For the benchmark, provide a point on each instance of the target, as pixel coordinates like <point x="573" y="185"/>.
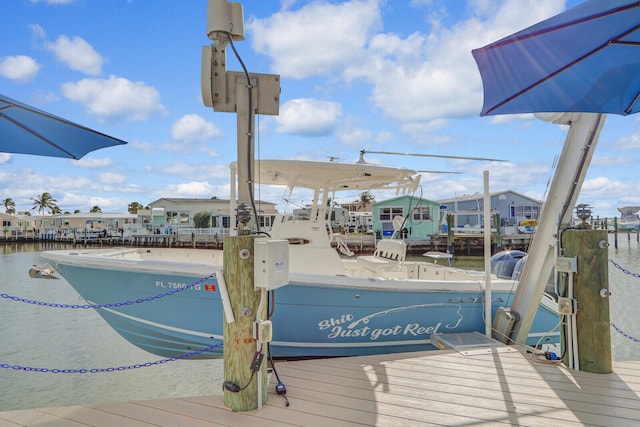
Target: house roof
<point x="480" y="196"/>
<point x="186" y="201"/>
<point x="407" y="196"/>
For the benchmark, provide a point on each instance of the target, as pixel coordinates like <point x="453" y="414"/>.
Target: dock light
<point x="583" y="212"/>
<point x="224" y="18"/>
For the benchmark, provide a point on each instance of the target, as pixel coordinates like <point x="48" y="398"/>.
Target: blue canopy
<point x="586" y="59"/>
<point x="27" y="130"/>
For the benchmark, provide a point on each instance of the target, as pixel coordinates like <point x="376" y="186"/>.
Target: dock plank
<point x="439" y="388"/>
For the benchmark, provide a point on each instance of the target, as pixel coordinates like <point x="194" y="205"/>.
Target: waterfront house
<point x="514" y="209"/>
<point x="422" y="217"/>
<point x="175" y="215"/>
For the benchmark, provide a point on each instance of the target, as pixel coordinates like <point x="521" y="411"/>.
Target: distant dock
<point x="463" y="244"/>
<point x="460" y="243"/>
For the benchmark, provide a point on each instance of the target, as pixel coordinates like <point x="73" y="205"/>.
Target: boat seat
<point x="389" y="255"/>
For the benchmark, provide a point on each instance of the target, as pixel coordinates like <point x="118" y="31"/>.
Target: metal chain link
<point x="108" y="305"/>
<point x="113" y="369"/>
<point x="624" y="334"/>
<point x="624" y="270"/>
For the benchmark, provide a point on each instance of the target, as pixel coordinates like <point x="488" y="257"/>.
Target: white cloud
<point x="37" y="31"/>
<point x="194" y="128"/>
<point x="90" y="163"/>
<point x="21" y="68"/>
<point x="309" y="117"/>
<point x="423" y="76"/>
<point x="191" y="189"/>
<point x="197" y="170"/>
<point x="112" y="178"/>
<point x="77" y="54"/>
<point x="5" y="158"/>
<point x="115" y="99"/>
<point x="319" y="38"/>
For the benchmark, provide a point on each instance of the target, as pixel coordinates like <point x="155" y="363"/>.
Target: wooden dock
<point x="443" y="388"/>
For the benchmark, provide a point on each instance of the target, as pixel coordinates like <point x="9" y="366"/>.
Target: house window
<point x="266" y="220"/>
<point x="422" y="213"/>
<point x="527" y="211"/>
<point x="387" y="214"/>
<point x="172" y="218"/>
<point x="184" y="218"/>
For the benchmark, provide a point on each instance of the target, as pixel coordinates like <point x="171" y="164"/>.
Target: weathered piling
<point x="591" y="291"/>
<point x="239" y="342"/>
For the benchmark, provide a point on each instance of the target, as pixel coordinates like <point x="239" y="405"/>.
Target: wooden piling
<point x="239" y="343"/>
<point x="450" y="234"/>
<point x="593" y="322"/>
<point x="496" y="225"/>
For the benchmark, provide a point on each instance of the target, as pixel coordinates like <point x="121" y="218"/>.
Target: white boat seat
<point x="389" y="255"/>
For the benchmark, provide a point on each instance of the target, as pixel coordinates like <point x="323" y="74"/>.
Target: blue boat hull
<point x="309" y="319"/>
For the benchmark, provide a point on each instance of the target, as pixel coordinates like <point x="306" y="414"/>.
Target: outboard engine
<point x="517" y="270"/>
<point x="503" y="263"/>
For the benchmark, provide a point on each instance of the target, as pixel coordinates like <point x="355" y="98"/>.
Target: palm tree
<point x="134" y="207"/>
<point x="44" y="202"/>
<point x="365" y="200"/>
<point x="9" y="206"/>
<point x="95" y="209"/>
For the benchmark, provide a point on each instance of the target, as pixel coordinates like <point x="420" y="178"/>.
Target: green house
<point x="422" y="217"/>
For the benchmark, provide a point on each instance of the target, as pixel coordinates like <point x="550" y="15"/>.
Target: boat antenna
<point x="439" y="156"/>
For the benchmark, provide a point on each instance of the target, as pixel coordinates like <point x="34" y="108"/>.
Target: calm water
<point x="43" y="337"/>
<point x="46" y="337"/>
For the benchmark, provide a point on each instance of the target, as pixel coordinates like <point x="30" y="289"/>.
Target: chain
<point x="108" y="305"/>
<point x="624" y="334"/>
<point x="113" y="369"/>
<point x="624" y="270"/>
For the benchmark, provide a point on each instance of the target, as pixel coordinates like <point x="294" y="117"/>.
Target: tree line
<point x="46" y="203"/>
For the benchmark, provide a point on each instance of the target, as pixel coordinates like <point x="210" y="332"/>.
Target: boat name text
<point x="336" y="328"/>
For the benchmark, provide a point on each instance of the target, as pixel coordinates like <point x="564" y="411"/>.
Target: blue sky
<point x="360" y="74"/>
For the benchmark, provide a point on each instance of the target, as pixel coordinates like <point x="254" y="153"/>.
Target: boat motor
<point x="503" y="263"/>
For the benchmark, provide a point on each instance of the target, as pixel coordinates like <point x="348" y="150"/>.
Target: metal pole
<point x="487" y="255"/>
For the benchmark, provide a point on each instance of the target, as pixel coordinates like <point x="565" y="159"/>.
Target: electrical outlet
<point x="566" y="306"/>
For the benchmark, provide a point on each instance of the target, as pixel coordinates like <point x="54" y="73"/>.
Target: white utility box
<point x="270" y="263"/>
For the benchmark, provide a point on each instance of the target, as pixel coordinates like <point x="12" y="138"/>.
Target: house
<point x="171" y="215"/>
<point x="422" y="217"/>
<point x="87" y="224"/>
<point x="513" y="209"/>
<point x="17" y="225"/>
<point x="8" y="224"/>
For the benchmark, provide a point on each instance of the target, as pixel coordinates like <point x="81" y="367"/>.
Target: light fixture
<point x="223" y="19"/>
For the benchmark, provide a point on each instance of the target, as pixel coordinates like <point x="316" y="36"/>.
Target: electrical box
<point x="567" y="306"/>
<point x="271" y="263"/>
<point x="566" y="264"/>
<point x="503" y="324"/>
<point x="263" y="331"/>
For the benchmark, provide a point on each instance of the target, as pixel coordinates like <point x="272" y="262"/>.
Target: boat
<point x="629" y="219"/>
<point x="93" y="229"/>
<point x="168" y="301"/>
<point x="527" y="226"/>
